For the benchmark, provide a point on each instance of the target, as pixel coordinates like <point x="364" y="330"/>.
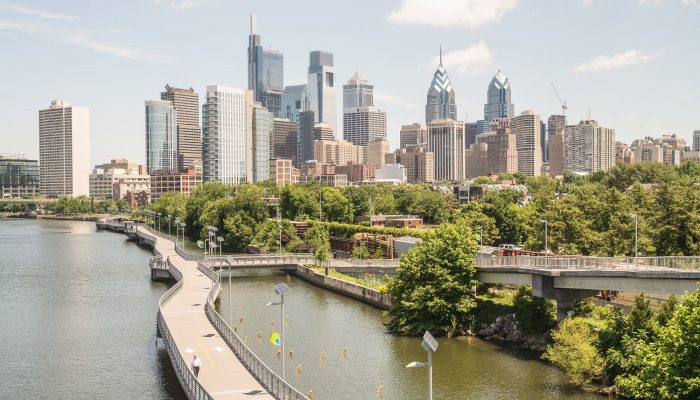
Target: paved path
<point x="222" y="374"/>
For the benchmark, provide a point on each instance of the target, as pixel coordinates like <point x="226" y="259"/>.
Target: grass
<point x="371" y="281"/>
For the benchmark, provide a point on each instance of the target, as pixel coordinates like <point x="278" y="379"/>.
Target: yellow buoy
<point x="323" y="355"/>
<point x="310" y="394"/>
<point x="298" y="369"/>
<point x="379" y="391"/>
<point x="245" y="339"/>
<point x="259" y="334"/>
<point x="345" y="352"/>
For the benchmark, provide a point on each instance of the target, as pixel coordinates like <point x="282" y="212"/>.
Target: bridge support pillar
<point x="567" y="297"/>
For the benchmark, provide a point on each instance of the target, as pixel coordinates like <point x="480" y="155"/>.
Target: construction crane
<point x="562" y="102"/>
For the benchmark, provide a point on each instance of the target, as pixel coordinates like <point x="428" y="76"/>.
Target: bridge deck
<point x="222" y="374"/>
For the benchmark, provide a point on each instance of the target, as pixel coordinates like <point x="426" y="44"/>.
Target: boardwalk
<point x="222" y="375"/>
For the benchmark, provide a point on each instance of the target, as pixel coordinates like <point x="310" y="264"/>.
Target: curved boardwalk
<point x="222" y="375"/>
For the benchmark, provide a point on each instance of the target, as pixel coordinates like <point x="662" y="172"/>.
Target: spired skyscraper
<point x="265" y="72"/>
<point x="498" y="101"/>
<point x="321" y="85"/>
<point x="441" y="102"/>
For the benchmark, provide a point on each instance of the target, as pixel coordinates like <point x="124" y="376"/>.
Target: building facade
<point x="502" y="151"/>
<point x="282" y="172"/>
<point x="174" y="181"/>
<point x="527" y="129"/>
<point x="441" y="103"/>
<point x="375" y="152"/>
<point x="305" y="135"/>
<point x="498" y="99"/>
<point x="321" y="85"/>
<point x="284" y="140"/>
<point x="414" y="134"/>
<point x="224" y="135"/>
<point x="696" y="140"/>
<point x="260" y="136"/>
<point x="589" y="147"/>
<point x="188" y="130"/>
<point x="265" y="71"/>
<point x="557" y="164"/>
<point x="292" y="101"/>
<point x="446" y="142"/>
<point x="161" y="136"/>
<point x="19" y="176"/>
<point x="112" y="180"/>
<point x="64" y="150"/>
<point x="358" y="92"/>
<point x="418" y="162"/>
<point x="337" y="152"/>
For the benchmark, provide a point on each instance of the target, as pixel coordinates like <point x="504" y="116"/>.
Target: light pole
<point x="546" y="248"/>
<point x="170" y="217"/>
<point x="177" y="230"/>
<point x="220" y="240"/>
<point x="281" y="289"/>
<point x="183" y="225"/>
<point x="159" y="214"/>
<point x="430" y="345"/>
<point x="636" y="226"/>
<point x="229" y="261"/>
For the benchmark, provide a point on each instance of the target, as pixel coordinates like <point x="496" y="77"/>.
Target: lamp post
<point x="430" y="345"/>
<point x="177" y="230"/>
<point x="281" y="289"/>
<point x="183" y="225"/>
<point x="170" y="217"/>
<point x="220" y="240"/>
<point x="546" y="248"/>
<point x="159" y="214"/>
<point x="636" y="226"/>
<point x="229" y="261"/>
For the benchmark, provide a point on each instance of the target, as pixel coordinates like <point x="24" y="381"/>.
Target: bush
<point x="535" y="314"/>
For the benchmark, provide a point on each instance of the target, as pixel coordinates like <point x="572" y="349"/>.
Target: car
<point x="509" y="246"/>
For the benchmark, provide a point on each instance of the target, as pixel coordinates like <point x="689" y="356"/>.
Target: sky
<point x="633" y="64"/>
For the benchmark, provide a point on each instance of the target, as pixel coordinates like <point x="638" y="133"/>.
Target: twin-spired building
<point x="64" y="150"/>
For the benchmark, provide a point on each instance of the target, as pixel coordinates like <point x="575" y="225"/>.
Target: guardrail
<point x="274" y="384"/>
<point x="592" y="263"/>
<point x="192" y="387"/>
<point x="178" y="249"/>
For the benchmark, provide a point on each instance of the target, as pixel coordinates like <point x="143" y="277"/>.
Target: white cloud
<point x="182" y="4"/>
<point x="627" y="58"/>
<point x="389" y="98"/>
<point x="587" y="3"/>
<point x="472" y="60"/>
<point x="34" y="12"/>
<point x="692" y="3"/>
<point x="445" y="13"/>
<point x="651" y="2"/>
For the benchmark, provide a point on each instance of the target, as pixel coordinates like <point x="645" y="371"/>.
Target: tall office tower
<point x="555" y="123"/>
<point x="292" y="100"/>
<point x="305" y="137"/>
<point x="441" y="103"/>
<point x="258" y="139"/>
<point x="418" y="162"/>
<point x="498" y="99"/>
<point x="224" y="134"/>
<point x="502" y="152"/>
<point x="375" y="151"/>
<point x="471" y="129"/>
<point x="189" y="133"/>
<point x="64" y="150"/>
<point x="544" y="142"/>
<point x="161" y="136"/>
<point x="358" y="92"/>
<point x="589" y="147"/>
<point x="265" y="72"/>
<point x="321" y="85"/>
<point x="284" y="140"/>
<point x="557" y="164"/>
<point x="696" y="140"/>
<point x="413" y="134"/>
<point x="446" y="142"/>
<point x="526" y="128"/>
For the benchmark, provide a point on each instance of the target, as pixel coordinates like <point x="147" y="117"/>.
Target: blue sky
<point x="634" y="63"/>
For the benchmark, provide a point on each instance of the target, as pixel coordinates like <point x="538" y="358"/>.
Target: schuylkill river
<point x="78" y="322"/>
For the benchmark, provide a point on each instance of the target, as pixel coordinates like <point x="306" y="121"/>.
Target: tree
<point x="667" y="310"/>
<point x="535" y="314"/>
<point x="583" y="308"/>
<point x="336" y="207"/>
<point x="432" y="206"/>
<point x="360" y="251"/>
<point x="267" y="235"/>
<point x="574" y="350"/>
<point x="240" y="230"/>
<point x="297" y="203"/>
<point x="432" y="287"/>
<point x="317" y="236"/>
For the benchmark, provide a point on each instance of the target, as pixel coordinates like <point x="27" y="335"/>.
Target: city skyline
<point x="88" y="62"/>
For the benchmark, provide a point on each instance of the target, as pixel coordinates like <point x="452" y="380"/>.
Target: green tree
<point x="432" y="206"/>
<point x="267" y="235"/>
<point x="575" y="351"/>
<point x="432" y="287"/>
<point x="667" y="310"/>
<point x="239" y="232"/>
<point x="360" y="251"/>
<point x="318" y="238"/>
<point x="534" y="314"/>
<point x="583" y="308"/>
<point x="336" y="207"/>
<point x="298" y="203"/>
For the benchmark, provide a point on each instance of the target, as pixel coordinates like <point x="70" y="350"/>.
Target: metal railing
<point x="178" y="249"/>
<point x="592" y="263"/>
<point x="272" y="382"/>
<point x="191" y="385"/>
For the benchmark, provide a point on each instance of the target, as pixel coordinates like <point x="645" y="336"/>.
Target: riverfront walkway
<point x="222" y="375"/>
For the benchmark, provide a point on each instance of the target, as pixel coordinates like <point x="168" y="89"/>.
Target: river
<point x="78" y="322"/>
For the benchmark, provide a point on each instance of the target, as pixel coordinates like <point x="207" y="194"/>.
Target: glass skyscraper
<point x="441" y="102"/>
<point x="321" y="83"/>
<point x="292" y="101"/>
<point x="265" y="72"/>
<point x="161" y="136"/>
<point x="498" y="101"/>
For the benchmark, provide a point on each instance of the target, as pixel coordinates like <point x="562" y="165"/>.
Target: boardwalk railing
<point x="178" y="249"/>
<point x="274" y="384"/>
<point x="188" y="381"/>
<point x="592" y="263"/>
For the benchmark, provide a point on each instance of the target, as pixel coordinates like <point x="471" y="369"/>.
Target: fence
<point x="592" y="263"/>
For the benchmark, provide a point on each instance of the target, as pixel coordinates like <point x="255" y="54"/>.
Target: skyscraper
<point x="555" y="123"/>
<point x="544" y="142"/>
<point x="471" y="129"/>
<point x="284" y="140"/>
<point x="696" y="140"/>
<point x="375" y="151"/>
<point x="498" y="101"/>
<point x="446" y="142"/>
<point x="526" y="128"/>
<point x="258" y="139"/>
<point x="64" y="150"/>
<point x="224" y="134"/>
<point x="441" y="101"/>
<point x="305" y="138"/>
<point x="589" y="147"/>
<point x="161" y="136"/>
<point x="292" y="101"/>
<point x="414" y="134"/>
<point x="502" y="151"/>
<point x="265" y="72"/>
<point x="362" y="122"/>
<point x="321" y="86"/>
<point x="189" y="133"/>
<point x="358" y="92"/>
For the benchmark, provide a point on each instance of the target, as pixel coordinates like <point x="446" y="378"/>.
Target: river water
<point x="78" y="312"/>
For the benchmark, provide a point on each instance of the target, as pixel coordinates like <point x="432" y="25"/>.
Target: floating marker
<point x="200" y="244"/>
<point x="310" y="394"/>
<point x="298" y="369"/>
<point x="323" y="355"/>
<point x="379" y="391"/>
<point x="275" y="339"/>
<point x="245" y="339"/>
<point x="241" y="319"/>
<point x="291" y="354"/>
<point x="259" y="334"/>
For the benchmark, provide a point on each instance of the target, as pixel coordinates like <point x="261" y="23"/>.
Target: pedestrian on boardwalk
<point x="196" y="364"/>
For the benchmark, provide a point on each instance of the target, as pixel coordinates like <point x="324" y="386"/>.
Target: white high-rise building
<point x="224" y="134"/>
<point x="446" y="142"/>
<point x="259" y="136"/>
<point x="589" y="147"/>
<point x="321" y="85"/>
<point x="527" y="129"/>
<point x="64" y="150"/>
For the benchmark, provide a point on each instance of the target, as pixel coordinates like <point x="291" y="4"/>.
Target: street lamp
<point x="546" y="248"/>
<point x="220" y="240"/>
<point x="159" y="214"/>
<point x="229" y="261"/>
<point x="170" y="217"/>
<point x="636" y="225"/>
<point x="177" y="229"/>
<point x="183" y="225"/>
<point x="281" y="289"/>
<point x="430" y="345"/>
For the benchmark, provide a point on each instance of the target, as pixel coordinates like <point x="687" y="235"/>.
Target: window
<point x="329" y="79"/>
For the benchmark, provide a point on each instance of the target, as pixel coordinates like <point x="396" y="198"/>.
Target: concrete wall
<point x="355" y="291"/>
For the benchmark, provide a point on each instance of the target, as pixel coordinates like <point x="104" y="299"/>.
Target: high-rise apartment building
<point x="498" y="99"/>
<point x="284" y="140"/>
<point x="18" y="176"/>
<point x="589" y="147"/>
<point x="375" y="152"/>
<point x="667" y="149"/>
<point x="64" y="150"/>
<point x="696" y="140"/>
<point x="476" y="162"/>
<point x="224" y="134"/>
<point x="557" y="165"/>
<point x="544" y="142"/>
<point x="501" y="151"/>
<point x="189" y="133"/>
<point x="418" y="162"/>
<point x="258" y="142"/>
<point x="321" y="84"/>
<point x="441" y="103"/>
<point x="471" y="129"/>
<point x="527" y="129"/>
<point x="555" y="123"/>
<point x="414" y="134"/>
<point x="446" y="142"/>
<point x="161" y="136"/>
<point x="265" y="72"/>
<point x="292" y="101"/>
